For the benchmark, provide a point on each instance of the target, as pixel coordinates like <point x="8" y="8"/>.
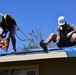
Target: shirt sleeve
<point x="73" y="26"/>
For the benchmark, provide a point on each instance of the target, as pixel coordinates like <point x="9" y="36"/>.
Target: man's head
<point x="61" y="21"/>
<point x="1" y="16"/>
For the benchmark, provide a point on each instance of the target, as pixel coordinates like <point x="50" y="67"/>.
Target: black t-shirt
<point x="8" y="22"/>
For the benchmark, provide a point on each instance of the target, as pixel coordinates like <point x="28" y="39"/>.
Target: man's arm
<point x="70" y="33"/>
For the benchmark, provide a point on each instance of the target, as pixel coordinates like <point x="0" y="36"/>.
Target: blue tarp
<point x="71" y="49"/>
<point x="66" y="49"/>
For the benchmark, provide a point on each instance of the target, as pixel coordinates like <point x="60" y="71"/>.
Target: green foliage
<point x="34" y="37"/>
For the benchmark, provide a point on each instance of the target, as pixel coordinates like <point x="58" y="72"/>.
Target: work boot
<point x="43" y="45"/>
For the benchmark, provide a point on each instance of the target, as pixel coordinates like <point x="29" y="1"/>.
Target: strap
<point x="5" y="18"/>
<point x="68" y="27"/>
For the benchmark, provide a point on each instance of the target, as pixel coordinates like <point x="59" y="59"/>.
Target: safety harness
<point x="5" y="18"/>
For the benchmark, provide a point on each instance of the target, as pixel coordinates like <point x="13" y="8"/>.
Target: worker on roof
<point x="66" y="35"/>
<point x="8" y="24"/>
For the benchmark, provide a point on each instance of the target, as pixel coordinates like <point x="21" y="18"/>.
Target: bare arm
<point x="70" y="33"/>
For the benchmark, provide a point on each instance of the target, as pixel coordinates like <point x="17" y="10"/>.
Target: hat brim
<point x="60" y="24"/>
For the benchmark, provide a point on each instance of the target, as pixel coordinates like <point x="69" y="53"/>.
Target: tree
<point x="33" y="39"/>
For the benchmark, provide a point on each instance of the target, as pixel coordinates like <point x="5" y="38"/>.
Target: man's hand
<point x="58" y="39"/>
<point x="57" y="42"/>
<point x="69" y="34"/>
<point x="73" y="38"/>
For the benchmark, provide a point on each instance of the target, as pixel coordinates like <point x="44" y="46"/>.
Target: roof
<point x="37" y="55"/>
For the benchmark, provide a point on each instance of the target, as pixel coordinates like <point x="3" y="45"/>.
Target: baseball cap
<point x="61" y="20"/>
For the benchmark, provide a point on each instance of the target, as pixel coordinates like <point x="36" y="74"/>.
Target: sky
<point x="34" y="14"/>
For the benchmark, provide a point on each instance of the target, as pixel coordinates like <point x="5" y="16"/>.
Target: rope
<point x="22" y="33"/>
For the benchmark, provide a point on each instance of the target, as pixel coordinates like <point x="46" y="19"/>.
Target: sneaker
<point x="14" y="50"/>
<point x="43" y="45"/>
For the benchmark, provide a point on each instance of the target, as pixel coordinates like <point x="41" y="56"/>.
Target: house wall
<point x="58" y="66"/>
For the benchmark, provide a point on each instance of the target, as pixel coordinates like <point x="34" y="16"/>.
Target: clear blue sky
<point x="34" y="14"/>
